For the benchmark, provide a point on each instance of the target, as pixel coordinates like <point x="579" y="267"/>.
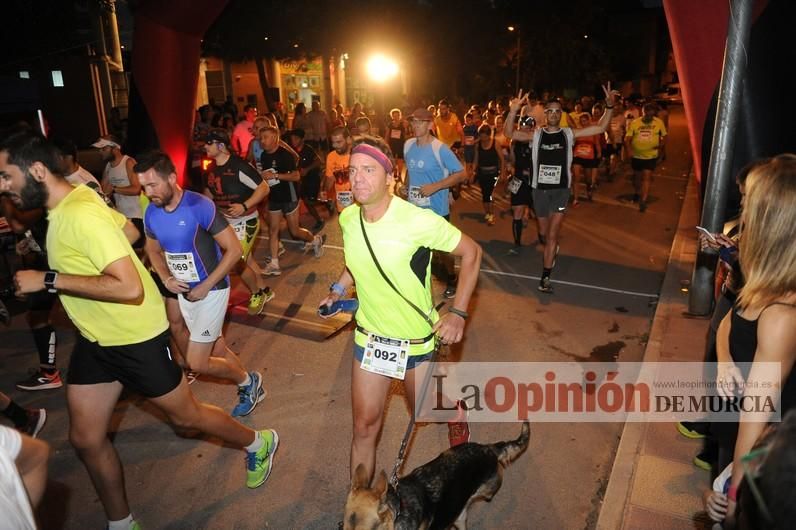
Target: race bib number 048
<point x="385" y="356"/>
<point x="549" y="174"/>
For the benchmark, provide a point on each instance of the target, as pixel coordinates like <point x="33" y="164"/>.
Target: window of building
<point x="58" y="78"/>
<point x="215" y="85"/>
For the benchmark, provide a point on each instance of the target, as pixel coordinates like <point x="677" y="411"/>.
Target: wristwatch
<point x="49" y="281"/>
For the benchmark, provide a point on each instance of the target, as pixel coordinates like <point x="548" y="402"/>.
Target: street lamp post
<point x="517" y="30"/>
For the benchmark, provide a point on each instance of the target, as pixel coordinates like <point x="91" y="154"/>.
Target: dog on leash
<point x="437" y="494"/>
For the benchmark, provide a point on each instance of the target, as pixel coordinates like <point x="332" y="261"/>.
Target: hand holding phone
<point x="704" y="231"/>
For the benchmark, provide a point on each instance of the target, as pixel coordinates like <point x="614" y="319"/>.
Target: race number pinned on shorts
<point x="514" y="185"/>
<point x="182" y="266"/>
<point x="345" y="198"/>
<point x="385" y="356"/>
<point x="417" y="199"/>
<point x="549" y="174"/>
<point x="240" y="230"/>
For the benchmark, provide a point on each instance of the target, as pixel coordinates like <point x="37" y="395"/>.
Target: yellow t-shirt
<point x="400" y="240"/>
<point x="646" y="137"/>
<point x="449" y="131"/>
<point x="83" y="238"/>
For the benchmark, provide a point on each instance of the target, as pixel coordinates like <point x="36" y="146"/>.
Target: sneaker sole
<point x="691" y="435"/>
<point x="40" y="423"/>
<point x="271" y="455"/>
<point x="46" y="386"/>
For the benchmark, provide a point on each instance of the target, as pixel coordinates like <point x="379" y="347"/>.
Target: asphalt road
<point x="607" y="278"/>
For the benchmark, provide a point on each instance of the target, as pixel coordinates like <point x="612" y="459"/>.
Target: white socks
<point x="121" y="524"/>
<point x="256" y="444"/>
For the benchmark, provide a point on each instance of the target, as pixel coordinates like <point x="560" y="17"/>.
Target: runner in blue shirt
<point x="192" y="248"/>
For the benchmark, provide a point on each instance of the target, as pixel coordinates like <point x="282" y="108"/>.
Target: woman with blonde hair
<point x="761" y="328"/>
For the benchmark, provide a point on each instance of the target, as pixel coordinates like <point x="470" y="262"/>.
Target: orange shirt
<point x="449" y="131"/>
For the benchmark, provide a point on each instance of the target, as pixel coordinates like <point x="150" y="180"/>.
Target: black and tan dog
<point x="435" y="495"/>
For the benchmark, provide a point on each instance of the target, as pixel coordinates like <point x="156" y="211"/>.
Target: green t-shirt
<point x="83" y="238"/>
<point x="401" y="240"/>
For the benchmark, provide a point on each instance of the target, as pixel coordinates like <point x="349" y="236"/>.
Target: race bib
<point x="182" y="266"/>
<point x="395" y="134"/>
<point x="345" y="198"/>
<point x="469" y="140"/>
<point x="272" y="182"/>
<point x="417" y="199"/>
<point x="549" y="174"/>
<point x="385" y="356"/>
<point x="645" y="134"/>
<point x="240" y="230"/>
<point x="584" y="151"/>
<point x="514" y="185"/>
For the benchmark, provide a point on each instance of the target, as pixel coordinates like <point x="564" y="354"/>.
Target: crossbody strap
<point x="386" y="279"/>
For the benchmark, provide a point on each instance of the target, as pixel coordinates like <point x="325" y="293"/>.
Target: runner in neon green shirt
<point x="400" y="235"/>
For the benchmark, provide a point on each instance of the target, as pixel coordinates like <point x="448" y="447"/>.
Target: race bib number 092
<point x="385" y="356"/>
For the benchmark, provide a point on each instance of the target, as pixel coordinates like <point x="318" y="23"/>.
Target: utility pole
<point x="718" y="181"/>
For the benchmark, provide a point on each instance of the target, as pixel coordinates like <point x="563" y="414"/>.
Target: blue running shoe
<point x="249" y="395"/>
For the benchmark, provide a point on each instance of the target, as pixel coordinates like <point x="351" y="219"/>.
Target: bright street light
<point x="510" y="28"/>
<point x="381" y="68"/>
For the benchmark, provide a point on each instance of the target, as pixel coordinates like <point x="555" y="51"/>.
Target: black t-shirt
<point x="283" y="160"/>
<point x="234" y="182"/>
<point x="553" y="160"/>
<point x="523" y="160"/>
<point x="307" y="157"/>
<point x="488" y="161"/>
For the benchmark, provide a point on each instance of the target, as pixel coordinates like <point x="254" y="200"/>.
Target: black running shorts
<point x="639" y="164"/>
<point x="146" y="368"/>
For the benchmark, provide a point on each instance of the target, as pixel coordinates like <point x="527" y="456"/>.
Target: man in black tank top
<point x="552" y="157"/>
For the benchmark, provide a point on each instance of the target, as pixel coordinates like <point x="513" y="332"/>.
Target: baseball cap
<point x="217" y="135"/>
<point x="422" y="115"/>
<point x="108" y="140"/>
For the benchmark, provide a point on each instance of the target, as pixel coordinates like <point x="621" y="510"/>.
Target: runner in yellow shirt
<point x="645" y="141"/>
<point x="449" y="128"/>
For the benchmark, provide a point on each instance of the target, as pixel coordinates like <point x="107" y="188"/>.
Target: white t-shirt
<point x="15" y="510"/>
<point x="128" y="205"/>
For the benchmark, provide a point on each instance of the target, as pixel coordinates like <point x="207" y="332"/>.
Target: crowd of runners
<point x="148" y="287"/>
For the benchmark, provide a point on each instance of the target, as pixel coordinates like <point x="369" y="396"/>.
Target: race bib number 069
<point x="182" y="266"/>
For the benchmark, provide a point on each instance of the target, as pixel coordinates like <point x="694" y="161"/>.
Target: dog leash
<point x="418" y="405"/>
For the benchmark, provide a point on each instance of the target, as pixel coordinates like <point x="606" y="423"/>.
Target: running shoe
<point x="545" y="285"/>
<point x="490" y="220"/>
<point x="249" y="395"/>
<point x="695" y="430"/>
<point x="258" y="300"/>
<point x="514" y="251"/>
<point x="459" y="429"/>
<point x="260" y="463"/>
<point x="41" y="380"/>
<point x="271" y="269"/>
<point x="36" y="419"/>
<point x="701" y="461"/>
<point x="317" y="245"/>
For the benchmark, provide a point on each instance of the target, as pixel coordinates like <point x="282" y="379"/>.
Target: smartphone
<point x="707" y="233"/>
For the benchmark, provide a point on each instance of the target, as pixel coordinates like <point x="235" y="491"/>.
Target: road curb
<point x="670" y="304"/>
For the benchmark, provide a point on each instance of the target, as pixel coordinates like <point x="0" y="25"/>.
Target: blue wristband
<point x="337" y="288"/>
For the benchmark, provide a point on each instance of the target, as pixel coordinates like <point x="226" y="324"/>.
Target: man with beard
<point x="123" y="332"/>
<point x="192" y="249"/>
<point x="551" y="148"/>
<point x="120" y="183"/>
<point x="645" y="141"/>
<point x="337" y="169"/>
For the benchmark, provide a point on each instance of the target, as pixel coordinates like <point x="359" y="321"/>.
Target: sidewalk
<point x="653" y="483"/>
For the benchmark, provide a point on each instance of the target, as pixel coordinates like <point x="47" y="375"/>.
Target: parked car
<point x="670" y="94"/>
